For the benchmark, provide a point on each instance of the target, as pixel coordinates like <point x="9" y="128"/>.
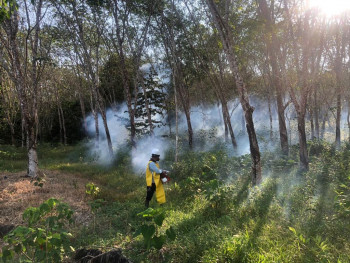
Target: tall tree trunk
<point x="337" y="126"/>
<point x="12" y="131"/>
<point x="273" y="49"/>
<point x="316" y="114"/>
<point x="26" y="84"/>
<point x="224" y="119"/>
<point x="95" y="115"/>
<point x="32" y="151"/>
<point x="23" y="132"/>
<point x="219" y="90"/>
<point x="304" y="159"/>
<point x="63" y="126"/>
<point x="226" y="38"/>
<point x="348" y="118"/>
<point x="270" y="117"/>
<point x="82" y="108"/>
<point x="229" y="125"/>
<point x="189" y="126"/>
<point x="323" y="127"/>
<point x="60" y="122"/>
<point x="311" y="114"/>
<point x="176" y="121"/>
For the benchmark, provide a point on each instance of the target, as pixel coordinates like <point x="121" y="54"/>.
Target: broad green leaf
<point x="159" y="219"/>
<point x="158" y="242"/>
<point x="148" y="231"/>
<point x="44" y="208"/>
<point x="171" y="233"/>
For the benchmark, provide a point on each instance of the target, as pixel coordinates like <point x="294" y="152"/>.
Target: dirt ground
<point x="18" y="192"/>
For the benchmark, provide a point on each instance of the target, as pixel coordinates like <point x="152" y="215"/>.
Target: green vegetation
<point x="212" y="213"/>
<point x="44" y="239"/>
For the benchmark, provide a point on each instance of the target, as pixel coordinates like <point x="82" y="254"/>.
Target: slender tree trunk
<point x="229" y="125"/>
<point x="82" y="108"/>
<point x="337" y="127"/>
<point x="348" y="118"/>
<point x="273" y="49"/>
<point x="316" y="114"/>
<point x="12" y="130"/>
<point x="60" y="122"/>
<point x="23" y="132"/>
<point x="224" y="119"/>
<point x="189" y="127"/>
<point x="270" y="117"/>
<point x="323" y="127"/>
<point x="225" y="112"/>
<point x="97" y="129"/>
<point x="311" y="114"/>
<point x="176" y="121"/>
<point x="226" y="39"/>
<point x="63" y="126"/>
<point x="25" y="84"/>
<point x="304" y="159"/>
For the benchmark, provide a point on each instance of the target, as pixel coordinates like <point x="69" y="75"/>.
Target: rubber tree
<point x="228" y="45"/>
<point x="266" y="14"/>
<point x="86" y="42"/>
<point x="25" y="65"/>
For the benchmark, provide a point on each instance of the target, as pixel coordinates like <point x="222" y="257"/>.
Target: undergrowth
<point x="213" y="209"/>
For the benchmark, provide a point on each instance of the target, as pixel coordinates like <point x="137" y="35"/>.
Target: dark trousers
<point x="150" y="191"/>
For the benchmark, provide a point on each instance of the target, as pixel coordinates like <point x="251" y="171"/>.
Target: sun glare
<point x="331" y="7"/>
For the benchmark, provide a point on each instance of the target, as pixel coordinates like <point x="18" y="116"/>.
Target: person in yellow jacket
<point x="153" y="179"/>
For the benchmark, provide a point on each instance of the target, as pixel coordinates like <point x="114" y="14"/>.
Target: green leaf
<point x="171" y="233"/>
<point x="44" y="208"/>
<point x="56" y="241"/>
<point x="40" y="241"/>
<point x="159" y="219"/>
<point x="7" y="254"/>
<point x="147" y="231"/>
<point x="149" y="212"/>
<point x="18" y="248"/>
<point x="293" y="230"/>
<point x="52" y="202"/>
<point x="137" y="232"/>
<point x="158" y="242"/>
<point x="21" y="231"/>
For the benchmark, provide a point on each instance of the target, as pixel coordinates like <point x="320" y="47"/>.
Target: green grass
<point x="288" y="218"/>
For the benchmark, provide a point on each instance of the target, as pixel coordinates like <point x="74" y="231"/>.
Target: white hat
<point x="155" y="151"/>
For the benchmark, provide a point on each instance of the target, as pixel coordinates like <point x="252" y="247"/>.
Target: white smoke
<point x="205" y="120"/>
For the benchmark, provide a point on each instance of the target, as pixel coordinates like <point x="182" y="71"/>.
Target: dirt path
<point x="18" y="192"/>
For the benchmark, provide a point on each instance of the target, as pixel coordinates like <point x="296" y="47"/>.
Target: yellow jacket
<point x="154" y="177"/>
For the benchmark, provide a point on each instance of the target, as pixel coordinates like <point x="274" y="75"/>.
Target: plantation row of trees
<point x="62" y="59"/>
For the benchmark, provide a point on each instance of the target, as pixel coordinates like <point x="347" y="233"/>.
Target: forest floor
<point x="18" y="192"/>
<point x="212" y="208"/>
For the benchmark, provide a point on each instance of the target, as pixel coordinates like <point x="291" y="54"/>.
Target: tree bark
<point x="63" y="126"/>
<point x="273" y="50"/>
<point x="26" y="83"/>
<point x="270" y="117"/>
<point x="226" y="39"/>
<point x="348" y="118"/>
<point x="60" y="122"/>
<point x="316" y="114"/>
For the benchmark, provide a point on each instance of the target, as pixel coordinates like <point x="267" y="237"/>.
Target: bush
<point x="44" y="239"/>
